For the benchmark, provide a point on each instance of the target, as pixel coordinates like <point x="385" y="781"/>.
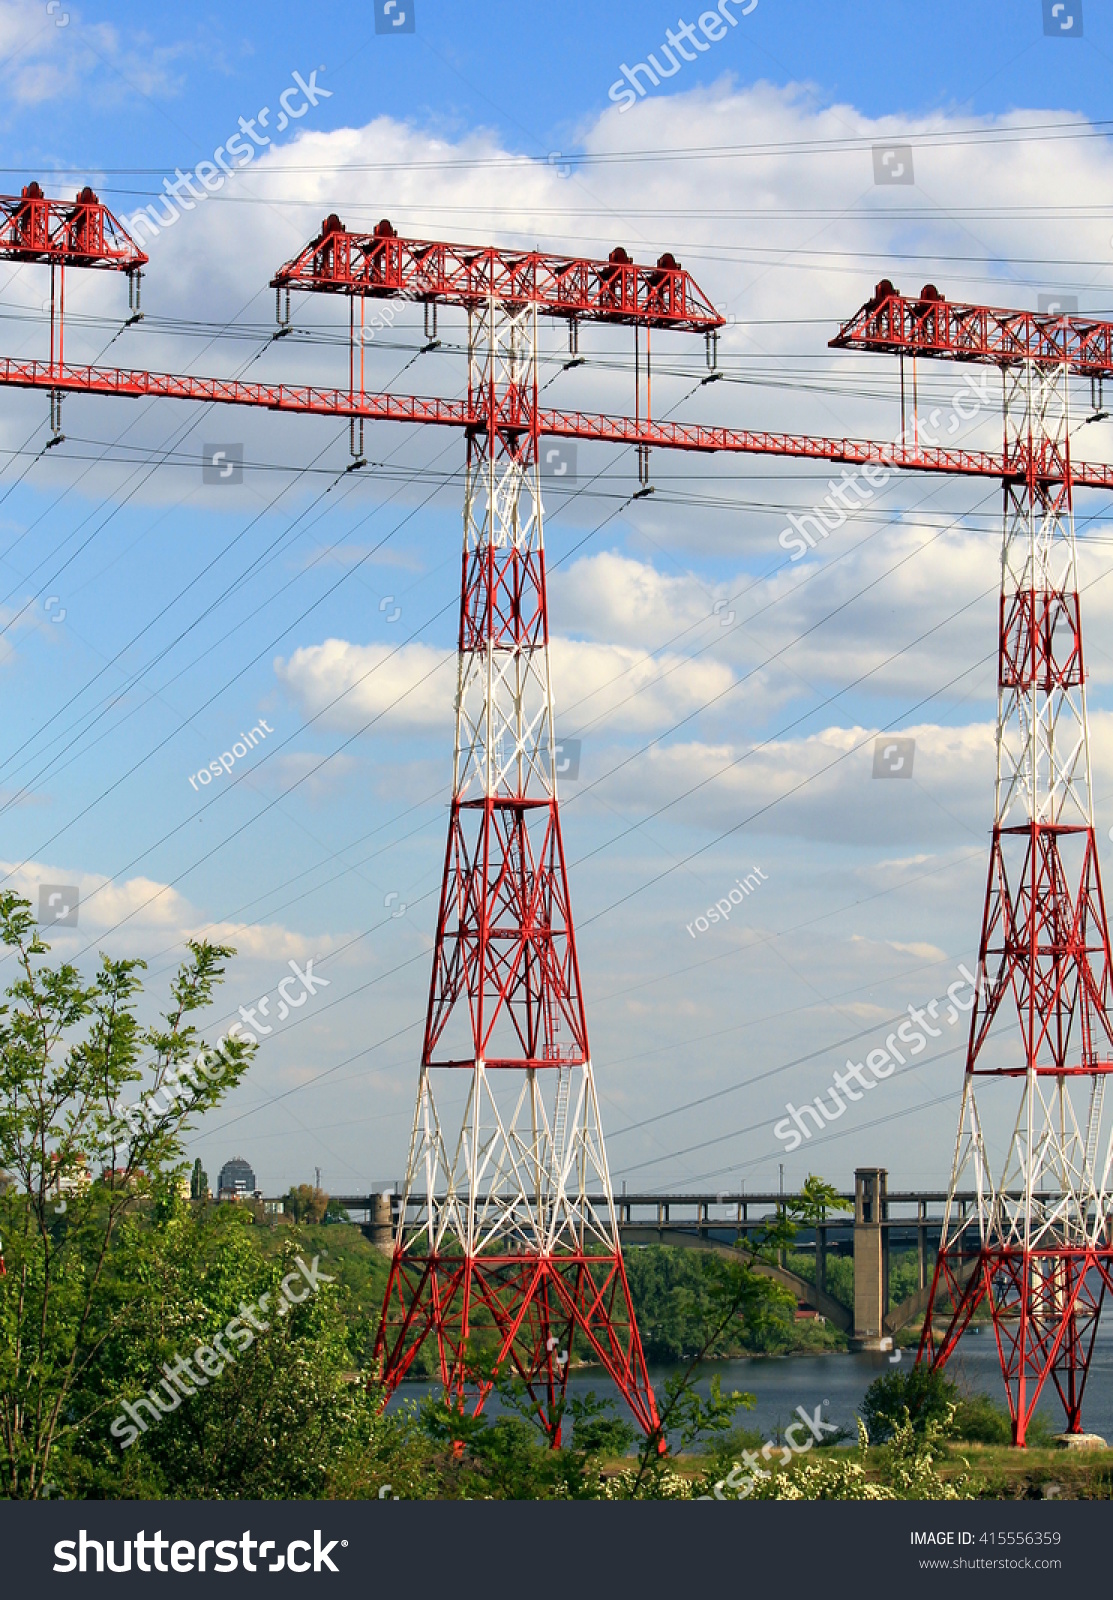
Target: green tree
<point x="304" y="1203"/>
<point x="71" y="1054"/>
<point x="279" y="1416"/>
<point x="738" y="1292"/>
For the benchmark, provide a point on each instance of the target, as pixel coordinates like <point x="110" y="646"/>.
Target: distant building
<point x="74" y="1181"/>
<point x="121" y="1178"/>
<point x="236" y="1181"/>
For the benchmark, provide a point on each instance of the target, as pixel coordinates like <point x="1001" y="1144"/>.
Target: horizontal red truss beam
<point x="307" y="398"/>
<point x="382" y="265"/>
<point x="138" y="384"/>
<point x="76" y="233"/>
<point x="952" y="332"/>
<point x="698" y="436"/>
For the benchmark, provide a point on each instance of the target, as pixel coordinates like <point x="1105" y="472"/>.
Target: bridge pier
<point x="921" y="1245"/>
<point x="871" y="1260"/>
<point x="378" y="1228"/>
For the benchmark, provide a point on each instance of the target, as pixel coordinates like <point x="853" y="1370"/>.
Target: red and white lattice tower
<point x="1034" y="1246"/>
<point x="508" y="1238"/>
<point x="516" y="1232"/>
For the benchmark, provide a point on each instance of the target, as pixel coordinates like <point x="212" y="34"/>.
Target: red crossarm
<point x="138" y="384"/>
<point x="385" y="266"/>
<point x="933" y="326"/>
<point x="76" y="233"/>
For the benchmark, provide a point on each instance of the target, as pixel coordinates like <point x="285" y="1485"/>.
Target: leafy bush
<point x="928" y="1397"/>
<point x="980" y="1420"/>
<point x="908" y="1470"/>
<point x="977" y="1419"/>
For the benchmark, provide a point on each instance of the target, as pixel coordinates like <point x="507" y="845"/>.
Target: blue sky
<point x="536" y="74"/>
<point x="726" y="698"/>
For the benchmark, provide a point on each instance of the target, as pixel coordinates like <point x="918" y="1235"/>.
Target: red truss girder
<point x="1019" y="465"/>
<point x="75" y="233"/>
<point x="504" y="937"/>
<point x="1043" y="942"/>
<point x="1041" y="641"/>
<point x="1045" y="1306"/>
<point x="382" y="265"/>
<point x="135" y="383"/>
<point x="932" y="326"/>
<point x="535" y="1305"/>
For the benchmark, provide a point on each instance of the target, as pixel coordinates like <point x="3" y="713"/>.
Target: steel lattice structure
<point x="507" y="1242"/>
<point x="507" y="1246"/>
<point x="383" y="266"/>
<point x="516" y="1235"/>
<point x="1037" y="1246"/>
<point x="77" y="233"/>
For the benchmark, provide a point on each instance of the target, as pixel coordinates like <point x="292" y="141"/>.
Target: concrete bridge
<point x="873" y="1223"/>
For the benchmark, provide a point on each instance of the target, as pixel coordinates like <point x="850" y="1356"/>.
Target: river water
<point x="838" y="1381"/>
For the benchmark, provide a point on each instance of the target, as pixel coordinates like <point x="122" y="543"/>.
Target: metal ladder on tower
<point x="1093" y="1127"/>
<point x="560" y="1119"/>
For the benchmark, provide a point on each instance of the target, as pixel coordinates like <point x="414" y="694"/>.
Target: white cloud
<point x="925" y="952"/>
<point x="142" y="915"/>
<point x="412" y="688"/>
<point x="403" y="688"/>
<point x="51" y="51"/>
<point x="617" y="599"/>
<point x="620" y="687"/>
<point x="820" y="787"/>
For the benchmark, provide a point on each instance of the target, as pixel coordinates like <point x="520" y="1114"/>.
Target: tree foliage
<point x="71" y="1057"/>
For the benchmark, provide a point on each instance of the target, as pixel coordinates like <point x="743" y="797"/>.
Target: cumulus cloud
<point x="143" y="915"/>
<point x="51" y="51"/>
<point x="403" y="688"/>
<point x="616" y="598"/>
<point x="411" y="689"/>
<point x="819" y="787"/>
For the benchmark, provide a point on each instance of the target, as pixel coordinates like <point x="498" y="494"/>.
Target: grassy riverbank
<point x="989" y="1472"/>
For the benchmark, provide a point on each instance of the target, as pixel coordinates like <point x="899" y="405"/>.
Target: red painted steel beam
<point x="852" y="452"/>
<point x="382" y="265"/>
<point x="932" y="326"/>
<point x="75" y="233"/>
<point x="138" y="384"/>
<point x="309" y="399"/>
<point x="698" y="436"/>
